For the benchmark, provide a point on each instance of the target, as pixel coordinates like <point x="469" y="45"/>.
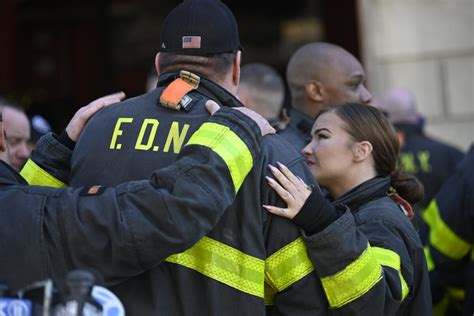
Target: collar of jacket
<point x="301" y="121"/>
<point x="207" y="87"/>
<point x="8" y="176"/>
<point x="408" y="129"/>
<point x="365" y="192"/>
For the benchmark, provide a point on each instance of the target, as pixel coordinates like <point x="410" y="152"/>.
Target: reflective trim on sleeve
<point x="35" y="175"/>
<point x="391" y="259"/>
<point x="288" y="265"/>
<point x="228" y="145"/>
<point x="456" y="293"/>
<point x="354" y="281"/>
<point x="429" y="260"/>
<point x="441" y="306"/>
<point x="225" y="264"/>
<point x="442" y="237"/>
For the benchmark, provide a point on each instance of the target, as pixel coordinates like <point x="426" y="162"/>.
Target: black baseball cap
<point x="200" y="27"/>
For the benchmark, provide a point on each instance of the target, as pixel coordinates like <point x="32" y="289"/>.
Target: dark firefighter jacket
<point x="248" y="260"/>
<point x="450" y="217"/>
<point x="370" y="260"/>
<point x="298" y="131"/>
<point x="125" y="230"/>
<point x="431" y="161"/>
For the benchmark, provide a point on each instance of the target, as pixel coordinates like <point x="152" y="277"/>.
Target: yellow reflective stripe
<point x="456" y="293"/>
<point x="35" y="175"/>
<point x="453" y="297"/>
<point x="391" y="259"/>
<point x="288" y="265"/>
<point x="354" y="281"/>
<point x="429" y="260"/>
<point x="440" y="308"/>
<point x="225" y="264"/>
<point x="442" y="237"/>
<point x="228" y="145"/>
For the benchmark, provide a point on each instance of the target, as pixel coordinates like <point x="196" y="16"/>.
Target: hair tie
<point x="404" y="205"/>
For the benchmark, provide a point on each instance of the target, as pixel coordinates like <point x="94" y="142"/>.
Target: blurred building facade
<point x="426" y="46"/>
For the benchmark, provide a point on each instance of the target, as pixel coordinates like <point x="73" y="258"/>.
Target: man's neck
<point x="310" y="109"/>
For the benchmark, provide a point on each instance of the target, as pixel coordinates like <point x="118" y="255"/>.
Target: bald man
<point x="262" y="89"/>
<point x="17" y="129"/>
<point x="400" y="106"/>
<point x="321" y="74"/>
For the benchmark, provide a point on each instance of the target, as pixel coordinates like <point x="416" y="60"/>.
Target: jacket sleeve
<point x="372" y="267"/>
<point x="49" y="163"/>
<point x="126" y="230"/>
<point x="290" y="280"/>
<point x="451" y="236"/>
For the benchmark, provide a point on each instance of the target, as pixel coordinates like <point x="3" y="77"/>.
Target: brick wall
<point x="426" y="46"/>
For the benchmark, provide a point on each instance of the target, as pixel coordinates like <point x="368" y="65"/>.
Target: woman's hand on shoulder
<point x="292" y="189"/>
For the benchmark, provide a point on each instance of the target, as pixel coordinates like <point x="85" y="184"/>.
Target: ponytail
<point x="407" y="186"/>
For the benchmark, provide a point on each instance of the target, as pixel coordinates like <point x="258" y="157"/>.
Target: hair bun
<point x="407" y="186"/>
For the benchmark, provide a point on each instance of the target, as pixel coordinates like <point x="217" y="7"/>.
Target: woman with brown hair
<point x="361" y="242"/>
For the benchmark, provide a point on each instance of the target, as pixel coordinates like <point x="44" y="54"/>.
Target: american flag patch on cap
<point x="191" y="41"/>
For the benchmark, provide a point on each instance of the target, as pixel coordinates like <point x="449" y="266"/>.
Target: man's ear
<point x="157" y="63"/>
<point x="315" y="90"/>
<point x="236" y="68"/>
<point x="361" y="151"/>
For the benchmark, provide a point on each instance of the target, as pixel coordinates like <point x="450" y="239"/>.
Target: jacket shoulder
<point x="276" y="148"/>
<point x="388" y="213"/>
<point x="382" y="208"/>
<point x="129" y="106"/>
<point x="294" y="137"/>
<point x="421" y="142"/>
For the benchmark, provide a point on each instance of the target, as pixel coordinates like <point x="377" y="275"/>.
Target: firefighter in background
<point x="17" y="127"/>
<point x="430" y="160"/>
<point x="320" y="74"/>
<point x="261" y="89"/>
<point x="251" y="259"/>
<point x="450" y="217"/>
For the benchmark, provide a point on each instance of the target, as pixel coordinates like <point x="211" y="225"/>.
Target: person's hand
<point x="80" y="118"/>
<point x="263" y="124"/>
<point x="290" y="188"/>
